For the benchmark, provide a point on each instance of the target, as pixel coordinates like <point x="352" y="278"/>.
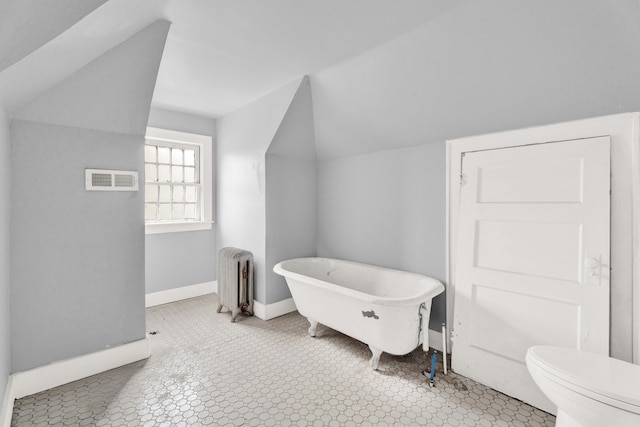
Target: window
<point x="177" y="181"/>
<point x="172" y="182"/>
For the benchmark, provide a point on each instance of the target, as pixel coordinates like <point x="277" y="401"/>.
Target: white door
<point x="532" y="261"/>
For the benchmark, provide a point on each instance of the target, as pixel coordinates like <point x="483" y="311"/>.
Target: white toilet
<point x="588" y="389"/>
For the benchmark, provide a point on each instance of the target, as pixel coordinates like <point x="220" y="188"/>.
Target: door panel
<point x="533" y="259"/>
<point x="511" y="247"/>
<point x="531" y="181"/>
<point x="517" y="316"/>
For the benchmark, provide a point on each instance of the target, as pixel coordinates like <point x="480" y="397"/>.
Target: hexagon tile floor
<point x="206" y="371"/>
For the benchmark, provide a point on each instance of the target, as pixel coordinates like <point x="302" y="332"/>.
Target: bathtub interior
<point x="367" y="279"/>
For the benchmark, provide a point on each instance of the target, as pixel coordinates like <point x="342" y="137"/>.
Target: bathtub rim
<point x="436" y="286"/>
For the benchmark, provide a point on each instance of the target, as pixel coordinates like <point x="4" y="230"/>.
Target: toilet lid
<point x="611" y="380"/>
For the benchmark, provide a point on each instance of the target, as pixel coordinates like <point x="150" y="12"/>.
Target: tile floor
<point x="206" y="371"/>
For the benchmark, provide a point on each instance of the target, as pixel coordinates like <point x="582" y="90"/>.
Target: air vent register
<point x="110" y="180"/>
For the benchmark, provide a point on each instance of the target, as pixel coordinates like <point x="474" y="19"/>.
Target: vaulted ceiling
<point x="384" y="74"/>
<point x="219" y="55"/>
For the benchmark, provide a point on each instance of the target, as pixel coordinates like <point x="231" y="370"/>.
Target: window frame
<point x="166" y="136"/>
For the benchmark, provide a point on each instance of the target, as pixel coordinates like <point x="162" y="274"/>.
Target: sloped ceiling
<point x="384" y="74"/>
<point x="490" y="66"/>
<point x="111" y="93"/>
<point x="220" y="54"/>
<point x="45" y="64"/>
<point x="25" y="25"/>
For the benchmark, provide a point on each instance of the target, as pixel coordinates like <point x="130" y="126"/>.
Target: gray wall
<point x="77" y="265"/>
<point x="173" y="260"/>
<point x="243" y="138"/>
<point x="5" y="193"/>
<point x="291" y="192"/>
<point x="387" y="208"/>
<point x="77" y="257"/>
<point x="481" y="67"/>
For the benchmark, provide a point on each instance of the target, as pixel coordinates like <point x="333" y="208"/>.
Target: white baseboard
<point x="271" y="311"/>
<point x="21" y="384"/>
<point x="65" y="371"/>
<point x="177" y="294"/>
<point x="6" y="411"/>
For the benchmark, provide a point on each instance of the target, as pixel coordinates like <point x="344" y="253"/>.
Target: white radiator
<point x="235" y="281"/>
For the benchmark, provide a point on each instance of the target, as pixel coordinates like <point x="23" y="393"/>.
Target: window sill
<point x="177" y="227"/>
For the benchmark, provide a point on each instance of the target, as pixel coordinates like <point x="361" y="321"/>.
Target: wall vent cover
<point x="110" y="180"/>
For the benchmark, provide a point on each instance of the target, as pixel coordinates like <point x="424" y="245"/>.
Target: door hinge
<point x="463" y="180"/>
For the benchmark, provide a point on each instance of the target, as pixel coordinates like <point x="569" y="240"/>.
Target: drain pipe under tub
<point x="424" y="330"/>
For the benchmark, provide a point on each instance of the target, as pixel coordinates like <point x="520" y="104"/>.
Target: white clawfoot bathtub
<point x="386" y="309"/>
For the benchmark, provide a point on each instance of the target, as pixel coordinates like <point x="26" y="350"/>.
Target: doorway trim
<point x="625" y="212"/>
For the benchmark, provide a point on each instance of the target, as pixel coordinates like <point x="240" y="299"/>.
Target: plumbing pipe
<point x="444" y="348"/>
<point x="434" y="358"/>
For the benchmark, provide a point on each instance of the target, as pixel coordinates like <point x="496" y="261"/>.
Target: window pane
<point x="189" y="157"/>
<point x="164" y="155"/>
<point x="150" y="212"/>
<point x="178" y="193"/>
<point x="150" y="153"/>
<point x="189" y="174"/>
<point x="176" y="156"/>
<point x="151" y="193"/>
<point x="191" y="194"/>
<point x="165" y="193"/>
<point x="177" y="211"/>
<point x="172" y="189"/>
<point x="164" y="173"/>
<point x="164" y="212"/>
<point x="150" y="172"/>
<point x="176" y="173"/>
<point x="190" y="211"/>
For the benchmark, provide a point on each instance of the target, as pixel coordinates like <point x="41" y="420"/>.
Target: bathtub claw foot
<point x="312" y="328"/>
<point x="375" y="359"/>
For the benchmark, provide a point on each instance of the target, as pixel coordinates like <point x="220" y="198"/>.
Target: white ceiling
<point x="220" y="54"/>
<point x="223" y="54"/>
<point x="384" y="73"/>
